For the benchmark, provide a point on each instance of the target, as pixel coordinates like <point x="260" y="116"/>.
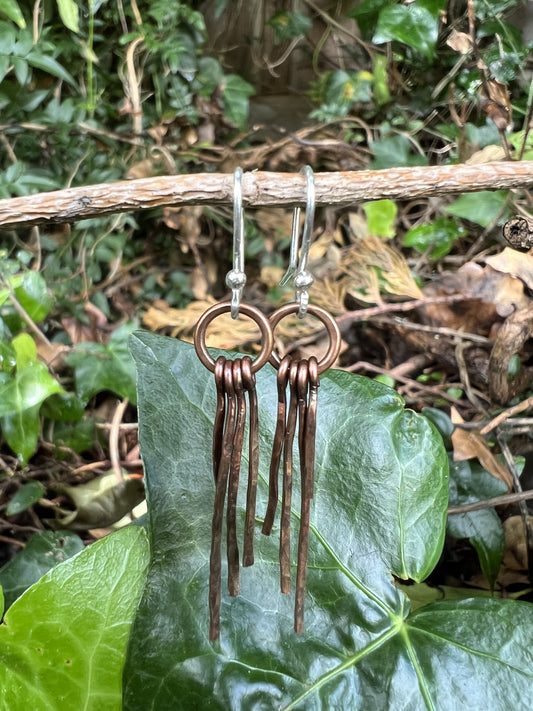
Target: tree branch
<point x="261" y="189"/>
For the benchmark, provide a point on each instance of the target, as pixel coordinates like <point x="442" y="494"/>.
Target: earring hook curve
<point x="236" y="278"/>
<point x="297" y="270"/>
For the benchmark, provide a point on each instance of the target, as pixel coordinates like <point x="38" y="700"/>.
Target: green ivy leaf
<point x="483" y="207"/>
<point x="21" y="396"/>
<point x="33" y="295"/>
<point x="367" y="14"/>
<point x="236" y="93"/>
<point x="75" y="621"/>
<point x="21" y="432"/>
<point x="99" y="367"/>
<point x="484" y="531"/>
<point x="470" y="482"/>
<point x="393" y="151"/>
<point x="379" y="509"/>
<point x="26" y="496"/>
<point x="381" y="217"/>
<point x="437" y="237"/>
<point x="43" y="551"/>
<point x="415" y="25"/>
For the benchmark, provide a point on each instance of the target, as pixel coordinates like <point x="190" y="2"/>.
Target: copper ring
<point x="250" y="311"/>
<point x="329" y="323"/>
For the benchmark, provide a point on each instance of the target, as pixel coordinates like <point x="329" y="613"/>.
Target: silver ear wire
<point x="297" y="270"/>
<point x="236" y="278"/>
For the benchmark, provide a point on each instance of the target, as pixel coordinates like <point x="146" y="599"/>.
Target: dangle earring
<point x="233" y="379"/>
<point x="302" y="379"/>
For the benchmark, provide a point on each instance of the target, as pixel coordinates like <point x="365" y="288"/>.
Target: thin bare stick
<point x="503" y="500"/>
<point x="262" y="189"/>
<point x="506" y="414"/>
<point x="365" y="314"/>
<point x="113" y="438"/>
<point x="13" y="541"/>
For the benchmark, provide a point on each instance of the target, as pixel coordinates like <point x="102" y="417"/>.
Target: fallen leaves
<point x="471" y="445"/>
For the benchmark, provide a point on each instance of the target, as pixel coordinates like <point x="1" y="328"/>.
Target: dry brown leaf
<point x="224" y="332"/>
<point x="470" y="445"/>
<point x="460" y="42"/>
<point x="487" y="155"/>
<point x="96" y="330"/>
<point x="517" y="264"/>
<point x="146" y="168"/>
<point x="495" y="103"/>
<point x="488" y="295"/>
<point x="515" y="555"/>
<point x="370" y="261"/>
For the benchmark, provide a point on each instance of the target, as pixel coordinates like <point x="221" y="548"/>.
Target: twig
<point x="515" y="409"/>
<point x="442" y="330"/>
<point x="362" y="365"/>
<point x="465" y="378"/>
<point x="490" y="503"/>
<point x="262" y="189"/>
<point x="14" y="541"/>
<point x="113" y="438"/>
<point x="365" y="314"/>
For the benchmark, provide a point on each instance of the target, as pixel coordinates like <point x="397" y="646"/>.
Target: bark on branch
<point x="261" y="189"/>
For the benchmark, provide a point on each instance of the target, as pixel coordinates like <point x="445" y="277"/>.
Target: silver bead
<point x="303" y="280"/>
<point x="235" y="279"/>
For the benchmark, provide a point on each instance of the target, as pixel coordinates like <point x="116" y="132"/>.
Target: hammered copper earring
<point x="233" y="379"/>
<point x="301" y="376"/>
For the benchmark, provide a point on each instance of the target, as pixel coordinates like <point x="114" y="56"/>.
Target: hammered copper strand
<point x="220" y="414"/>
<point x="277" y="447"/>
<point x="226" y="449"/>
<point x="253" y="462"/>
<point x="286" y="496"/>
<point x="308" y="469"/>
<point x="233" y="484"/>
<point x="307" y="379"/>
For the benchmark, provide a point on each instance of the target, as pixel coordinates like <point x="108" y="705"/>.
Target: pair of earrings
<point x="236" y="393"/>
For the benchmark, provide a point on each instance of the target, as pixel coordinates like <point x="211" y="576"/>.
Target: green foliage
<point x="436" y="238"/>
<point x="76" y="621"/>
<point x="395" y="150"/>
<point x="100" y="367"/>
<point x="25" y="497"/>
<point x="43" y="551"/>
<point x="470" y="482"/>
<point x="381" y="217"/>
<point x="98" y="503"/>
<point x="287" y="25"/>
<point x="415" y="25"/>
<point x="483" y="207"/>
<point x="22" y="391"/>
<point x="379" y="509"/>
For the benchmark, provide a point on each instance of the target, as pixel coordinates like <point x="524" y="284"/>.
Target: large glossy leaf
<point x="378" y="511"/>
<point x="43" y="551"/>
<point x="63" y="642"/>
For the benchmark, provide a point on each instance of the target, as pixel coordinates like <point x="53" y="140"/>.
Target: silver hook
<point x="297" y="270"/>
<point x="236" y="278"/>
